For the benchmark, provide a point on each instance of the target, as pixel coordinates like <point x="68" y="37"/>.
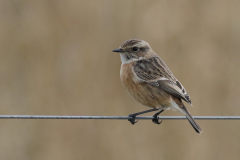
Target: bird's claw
<point x="132" y="119"/>
<point x="155" y="120"/>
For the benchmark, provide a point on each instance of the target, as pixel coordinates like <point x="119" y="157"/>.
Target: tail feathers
<point x="191" y="120"/>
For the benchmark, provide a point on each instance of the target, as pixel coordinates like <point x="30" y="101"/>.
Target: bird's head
<point x="133" y="50"/>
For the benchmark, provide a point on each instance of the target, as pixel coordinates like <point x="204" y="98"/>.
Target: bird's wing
<point x="173" y="89"/>
<point x="155" y="72"/>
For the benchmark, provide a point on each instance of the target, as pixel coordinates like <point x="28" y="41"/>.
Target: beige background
<point x="56" y="59"/>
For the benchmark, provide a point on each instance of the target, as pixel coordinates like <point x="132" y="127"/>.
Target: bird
<point x="150" y="82"/>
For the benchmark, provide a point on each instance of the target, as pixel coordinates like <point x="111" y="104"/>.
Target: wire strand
<point x="116" y="117"/>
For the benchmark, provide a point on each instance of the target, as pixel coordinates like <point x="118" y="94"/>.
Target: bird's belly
<point x="144" y="93"/>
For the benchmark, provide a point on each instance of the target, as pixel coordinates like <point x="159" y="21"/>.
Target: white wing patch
<point x="154" y="82"/>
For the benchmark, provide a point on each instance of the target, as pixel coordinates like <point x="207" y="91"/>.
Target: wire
<point x="116" y="117"/>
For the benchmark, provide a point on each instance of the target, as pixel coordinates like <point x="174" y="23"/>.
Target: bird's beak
<point x="118" y="50"/>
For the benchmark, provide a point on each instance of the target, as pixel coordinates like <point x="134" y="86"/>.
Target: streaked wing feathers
<point x="171" y="88"/>
<point x="155" y="72"/>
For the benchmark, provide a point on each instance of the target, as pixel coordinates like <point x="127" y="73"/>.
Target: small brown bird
<point x="149" y="81"/>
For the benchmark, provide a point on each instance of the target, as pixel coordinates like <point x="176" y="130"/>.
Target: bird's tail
<point x="191" y="120"/>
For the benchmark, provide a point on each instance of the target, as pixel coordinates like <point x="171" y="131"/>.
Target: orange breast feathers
<point x="134" y="88"/>
<point x="127" y="77"/>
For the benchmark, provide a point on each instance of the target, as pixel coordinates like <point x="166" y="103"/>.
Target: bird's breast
<point x="127" y="77"/>
<point x="141" y="92"/>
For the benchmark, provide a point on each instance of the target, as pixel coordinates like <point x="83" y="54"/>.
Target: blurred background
<point x="56" y="59"/>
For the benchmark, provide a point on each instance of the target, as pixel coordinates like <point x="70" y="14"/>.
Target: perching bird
<point x="149" y="81"/>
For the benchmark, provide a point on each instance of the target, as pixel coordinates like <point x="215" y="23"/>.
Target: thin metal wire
<point x="116" y="117"/>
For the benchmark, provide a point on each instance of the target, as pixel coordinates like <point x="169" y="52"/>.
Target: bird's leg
<point x="155" y="117"/>
<point x="133" y="116"/>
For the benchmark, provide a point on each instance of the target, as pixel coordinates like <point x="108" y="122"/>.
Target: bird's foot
<point x="132" y="119"/>
<point x="156" y="120"/>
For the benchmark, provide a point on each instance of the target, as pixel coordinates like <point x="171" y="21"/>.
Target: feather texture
<point x="155" y="72"/>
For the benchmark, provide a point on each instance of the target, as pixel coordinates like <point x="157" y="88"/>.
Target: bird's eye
<point x="135" y="49"/>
